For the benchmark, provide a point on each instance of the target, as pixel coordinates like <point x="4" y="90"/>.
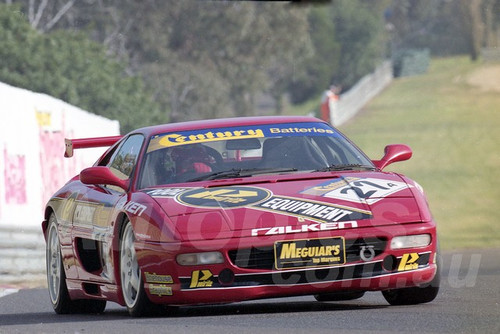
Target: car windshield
<point x="245" y="151"/>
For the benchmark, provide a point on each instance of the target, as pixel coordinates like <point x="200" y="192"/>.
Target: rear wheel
<point x="135" y="298"/>
<point x="56" y="279"/>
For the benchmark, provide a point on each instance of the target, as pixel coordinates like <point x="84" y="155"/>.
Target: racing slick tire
<point x="339" y="296"/>
<point x="56" y="279"/>
<point x="132" y="285"/>
<point x="416" y="295"/>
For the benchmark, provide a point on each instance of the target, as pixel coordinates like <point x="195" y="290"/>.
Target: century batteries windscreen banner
<point x="240" y="132"/>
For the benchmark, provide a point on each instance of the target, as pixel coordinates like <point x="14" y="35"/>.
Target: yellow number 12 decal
<point x="408" y="262"/>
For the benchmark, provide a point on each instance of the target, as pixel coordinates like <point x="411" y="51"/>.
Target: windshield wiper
<point x="240" y="173"/>
<point x="340" y="167"/>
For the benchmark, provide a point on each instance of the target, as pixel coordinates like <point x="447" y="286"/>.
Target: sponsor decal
<point x="262" y="199"/>
<point x="84" y="214"/>
<point x="154" y="278"/>
<point x="239" y="132"/>
<point x="160" y="289"/>
<point x="318" y="211"/>
<point x="311" y="275"/>
<point x="143" y="236"/>
<point x="175" y="139"/>
<point x="309" y="253"/>
<point x="302" y="130"/>
<point x="303" y="228"/>
<point x="201" y="279"/>
<point x="165" y="192"/>
<point x="227" y="197"/>
<point x="70" y="210"/>
<point x="67" y="209"/>
<point x="132" y="207"/>
<point x="359" y="190"/>
<point x="409" y="262"/>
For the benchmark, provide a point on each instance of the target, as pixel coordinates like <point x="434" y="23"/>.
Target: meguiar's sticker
<point x="293" y="254"/>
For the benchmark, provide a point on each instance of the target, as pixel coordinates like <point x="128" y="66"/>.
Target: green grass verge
<point x="454" y="131"/>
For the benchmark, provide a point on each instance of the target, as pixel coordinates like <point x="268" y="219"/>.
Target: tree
<point x="69" y="66"/>
<point x="446" y="27"/>
<point x="218" y="55"/>
<point x="206" y="58"/>
<point x="359" y="29"/>
<point x="470" y="11"/>
<point x="317" y="71"/>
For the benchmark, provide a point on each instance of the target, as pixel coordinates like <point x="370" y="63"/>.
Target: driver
<point x="191" y="158"/>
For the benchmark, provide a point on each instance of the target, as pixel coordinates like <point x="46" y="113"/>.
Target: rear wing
<point x="73" y="144"/>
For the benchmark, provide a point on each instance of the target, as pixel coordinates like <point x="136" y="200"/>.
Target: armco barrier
<point x="352" y="101"/>
<point x="22" y="255"/>
<point x="491" y="54"/>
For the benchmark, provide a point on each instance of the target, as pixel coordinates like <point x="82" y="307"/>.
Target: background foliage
<point x="154" y="61"/>
<point x="70" y="66"/>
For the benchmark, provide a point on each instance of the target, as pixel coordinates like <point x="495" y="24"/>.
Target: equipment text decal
<point x="318" y="211"/>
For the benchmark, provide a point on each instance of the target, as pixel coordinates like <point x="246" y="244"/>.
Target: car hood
<point x="293" y="202"/>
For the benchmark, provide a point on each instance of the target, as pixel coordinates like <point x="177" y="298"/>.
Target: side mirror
<point x="102" y="175"/>
<point x="393" y="153"/>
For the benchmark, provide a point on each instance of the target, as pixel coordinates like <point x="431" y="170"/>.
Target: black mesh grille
<point x="263" y="257"/>
<point x="253" y="258"/>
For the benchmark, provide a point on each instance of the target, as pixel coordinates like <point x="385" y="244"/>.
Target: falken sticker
<point x="314" y="227"/>
<point x="359" y="190"/>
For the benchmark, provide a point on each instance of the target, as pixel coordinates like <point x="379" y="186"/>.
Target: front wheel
<point x="135" y="298"/>
<point x="56" y="279"/>
<point x="416" y="295"/>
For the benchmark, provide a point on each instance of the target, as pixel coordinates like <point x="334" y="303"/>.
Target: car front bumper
<point x="167" y="282"/>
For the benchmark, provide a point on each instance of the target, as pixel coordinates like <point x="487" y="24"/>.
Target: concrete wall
<point x="32" y="167"/>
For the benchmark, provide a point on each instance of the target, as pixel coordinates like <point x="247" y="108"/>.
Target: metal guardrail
<point x="22" y="254"/>
<point x="352" y="101"/>
<point x="490" y="54"/>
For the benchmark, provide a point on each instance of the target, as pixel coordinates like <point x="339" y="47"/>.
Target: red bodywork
<point x="91" y="216"/>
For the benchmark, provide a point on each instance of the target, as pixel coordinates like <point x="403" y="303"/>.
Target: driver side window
<point x="125" y="158"/>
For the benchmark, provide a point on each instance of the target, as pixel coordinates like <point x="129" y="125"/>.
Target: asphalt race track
<point x="469" y="302"/>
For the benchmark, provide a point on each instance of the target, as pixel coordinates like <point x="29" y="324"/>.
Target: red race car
<point x="235" y="209"/>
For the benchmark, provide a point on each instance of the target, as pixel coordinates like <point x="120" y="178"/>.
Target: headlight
<point x="192" y="259"/>
<point x="411" y="241"/>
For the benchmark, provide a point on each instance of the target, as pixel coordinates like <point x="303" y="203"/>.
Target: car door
<point x="94" y="216"/>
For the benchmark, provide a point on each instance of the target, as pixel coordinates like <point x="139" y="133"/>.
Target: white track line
<point x="5" y="292"/>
